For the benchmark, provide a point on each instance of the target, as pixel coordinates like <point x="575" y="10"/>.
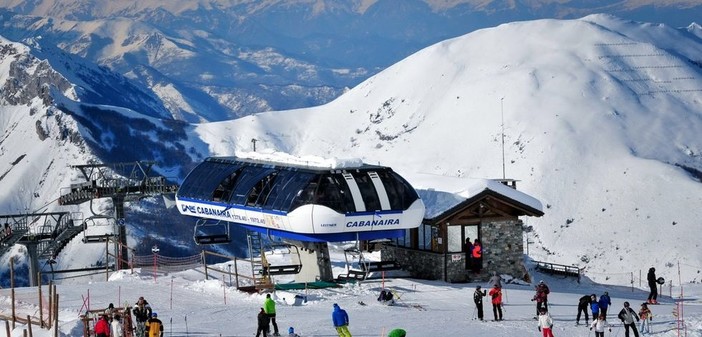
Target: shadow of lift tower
<point x="121" y="182"/>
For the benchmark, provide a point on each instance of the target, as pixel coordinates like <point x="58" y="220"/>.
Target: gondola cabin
<point x="302" y="202"/>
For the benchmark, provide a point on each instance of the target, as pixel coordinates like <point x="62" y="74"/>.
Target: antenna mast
<point x="502" y="113"/>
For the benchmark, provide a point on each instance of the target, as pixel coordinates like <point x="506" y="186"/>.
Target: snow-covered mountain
<point x="213" y="60"/>
<point x="601" y="123"/>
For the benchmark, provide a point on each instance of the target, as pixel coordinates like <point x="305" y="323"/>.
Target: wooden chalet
<point x="488" y="211"/>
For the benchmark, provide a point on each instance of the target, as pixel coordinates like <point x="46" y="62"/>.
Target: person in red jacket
<point x="102" y="328"/>
<point x="496" y="295"/>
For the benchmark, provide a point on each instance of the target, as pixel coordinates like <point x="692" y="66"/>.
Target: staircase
<point x="259" y="264"/>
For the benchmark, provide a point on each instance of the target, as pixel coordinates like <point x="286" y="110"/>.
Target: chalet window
<point x="455" y="239"/>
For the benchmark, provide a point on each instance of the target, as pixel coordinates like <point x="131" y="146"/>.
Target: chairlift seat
<point x="353" y="275"/>
<point x="96" y="238"/>
<point x="283" y="269"/>
<point x="212" y="239"/>
<point x="376" y="266"/>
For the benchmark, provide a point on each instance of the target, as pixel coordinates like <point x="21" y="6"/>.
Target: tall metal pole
<point x="502" y="113"/>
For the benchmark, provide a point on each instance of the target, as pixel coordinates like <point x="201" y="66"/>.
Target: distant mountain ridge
<point x="212" y="60"/>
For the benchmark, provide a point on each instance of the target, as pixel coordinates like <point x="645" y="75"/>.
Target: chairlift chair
<point x="97" y="221"/>
<point x="207" y="232"/>
<point x="288" y="268"/>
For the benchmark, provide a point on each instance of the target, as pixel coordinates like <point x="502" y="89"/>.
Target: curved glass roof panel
<point x="204" y="179"/>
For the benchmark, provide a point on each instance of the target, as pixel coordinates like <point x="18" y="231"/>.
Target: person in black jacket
<point x="263" y="323"/>
<point x="583" y="306"/>
<point x="653" y="295"/>
<point x="478" y="299"/>
<point x="142" y="313"/>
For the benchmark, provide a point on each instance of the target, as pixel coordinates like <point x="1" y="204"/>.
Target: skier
<point x="600" y="324"/>
<point x="627" y="316"/>
<point x="646" y="318"/>
<point x="496" y="295"/>
<point x="116" y="327"/>
<point x="541" y="297"/>
<point x="478" y="299"/>
<point x="545" y="323"/>
<point x="341" y="321"/>
<point x="269" y="307"/>
<point x="594" y="306"/>
<point x="583" y="305"/>
<point x="263" y="324"/>
<point x="604" y="303"/>
<point x="154" y="326"/>
<point x="102" y="328"/>
<point x="397" y="333"/>
<point x="142" y="312"/>
<point x="653" y="295"/>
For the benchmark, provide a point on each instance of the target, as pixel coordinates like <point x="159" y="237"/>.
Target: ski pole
<point x="171" y="332"/>
<point x="474" y="308"/>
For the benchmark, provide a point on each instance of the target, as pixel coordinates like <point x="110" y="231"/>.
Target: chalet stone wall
<point x="502" y="253"/>
<point x="503" y="249"/>
<point x="420" y="264"/>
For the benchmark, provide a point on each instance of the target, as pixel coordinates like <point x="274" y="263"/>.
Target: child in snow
<point x="646" y="318"/>
<point x="600" y="324"/>
<point x="545" y="323"/>
<point x="291" y="332"/>
<point x="263" y="323"/>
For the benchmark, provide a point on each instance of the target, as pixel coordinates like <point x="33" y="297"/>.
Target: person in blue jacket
<point x="604" y="303"/>
<point x="594" y="306"/>
<point x="341" y="321"/>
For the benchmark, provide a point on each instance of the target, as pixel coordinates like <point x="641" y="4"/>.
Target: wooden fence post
<point x="29" y="325"/>
<point x="12" y="290"/>
<point x="41" y="305"/>
<point x="56" y="306"/>
<point x="7" y="328"/>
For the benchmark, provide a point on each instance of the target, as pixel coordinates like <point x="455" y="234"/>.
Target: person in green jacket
<point x="397" y="333"/>
<point x="269" y="308"/>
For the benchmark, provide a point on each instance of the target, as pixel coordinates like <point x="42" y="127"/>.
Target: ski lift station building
<point x="309" y="205"/>
<point x="458" y="209"/>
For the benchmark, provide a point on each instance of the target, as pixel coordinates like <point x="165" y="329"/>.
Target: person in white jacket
<point x="545" y="323"/>
<point x="116" y="327"/>
<point x="600" y="324"/>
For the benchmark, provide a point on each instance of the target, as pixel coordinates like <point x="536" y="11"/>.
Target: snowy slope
<point x="189" y="305"/>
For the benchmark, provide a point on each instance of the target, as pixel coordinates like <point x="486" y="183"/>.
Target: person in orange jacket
<point x="477" y="256"/>
<point x="496" y="295"/>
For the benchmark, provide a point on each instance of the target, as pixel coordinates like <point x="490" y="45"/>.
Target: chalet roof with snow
<point x="444" y="196"/>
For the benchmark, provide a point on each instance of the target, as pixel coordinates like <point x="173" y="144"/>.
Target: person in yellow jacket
<point x="154" y="326"/>
<point x="269" y="308"/>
